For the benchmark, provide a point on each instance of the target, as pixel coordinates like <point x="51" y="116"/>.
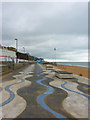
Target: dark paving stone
<point x="84" y="88"/>
<point x="55" y="100"/>
<point x="30" y="93"/>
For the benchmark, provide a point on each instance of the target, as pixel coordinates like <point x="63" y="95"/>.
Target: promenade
<point x="36" y="92"/>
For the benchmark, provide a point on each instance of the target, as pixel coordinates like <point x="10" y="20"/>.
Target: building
<point x="7" y="54"/>
<point x="10" y="54"/>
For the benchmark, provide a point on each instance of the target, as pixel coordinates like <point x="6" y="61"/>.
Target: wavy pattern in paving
<point x="74" y="103"/>
<point x="74" y="91"/>
<point x="81" y="79"/>
<point x="40" y="98"/>
<point x="11" y="100"/>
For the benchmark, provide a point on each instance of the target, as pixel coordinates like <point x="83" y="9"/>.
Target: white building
<point x="7" y="55"/>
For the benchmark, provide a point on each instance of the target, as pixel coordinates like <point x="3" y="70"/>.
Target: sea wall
<point x="9" y="67"/>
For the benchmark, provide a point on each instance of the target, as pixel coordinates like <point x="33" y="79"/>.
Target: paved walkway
<point x="11" y="101"/>
<point x="35" y="92"/>
<point x="74" y="103"/>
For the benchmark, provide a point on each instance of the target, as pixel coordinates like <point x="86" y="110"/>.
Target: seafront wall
<point x="9" y="67"/>
<point x="82" y="71"/>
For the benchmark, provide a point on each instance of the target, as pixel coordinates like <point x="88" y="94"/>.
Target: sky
<point x="42" y="26"/>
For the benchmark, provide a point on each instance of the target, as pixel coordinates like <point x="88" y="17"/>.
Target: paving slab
<point x="74" y="103"/>
<point x="17" y="105"/>
<point x="82" y="79"/>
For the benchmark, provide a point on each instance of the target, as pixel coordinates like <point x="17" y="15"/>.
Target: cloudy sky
<point x="42" y="26"/>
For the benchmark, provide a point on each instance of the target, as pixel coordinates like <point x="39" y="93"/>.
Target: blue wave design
<point x="63" y="86"/>
<point x="10" y="92"/>
<point x="40" y="98"/>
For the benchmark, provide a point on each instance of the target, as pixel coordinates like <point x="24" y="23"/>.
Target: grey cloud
<point x="40" y="27"/>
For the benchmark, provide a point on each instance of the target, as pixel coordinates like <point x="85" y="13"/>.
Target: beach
<point x="82" y="71"/>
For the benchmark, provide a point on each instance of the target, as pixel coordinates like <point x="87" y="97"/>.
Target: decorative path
<point x="10" y="100"/>
<point x="75" y="98"/>
<point x="40" y="98"/>
<point x="21" y="96"/>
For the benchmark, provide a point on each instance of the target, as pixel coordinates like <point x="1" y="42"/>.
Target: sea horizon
<point x="82" y="64"/>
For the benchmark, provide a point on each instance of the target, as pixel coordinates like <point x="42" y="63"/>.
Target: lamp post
<point x="55" y="54"/>
<point x="16" y="48"/>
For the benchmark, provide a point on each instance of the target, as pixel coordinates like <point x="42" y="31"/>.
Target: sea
<point x="82" y="64"/>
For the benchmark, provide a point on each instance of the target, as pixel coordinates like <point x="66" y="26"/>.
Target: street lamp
<point x="16" y="48"/>
<point x="16" y="43"/>
<point x="55" y="54"/>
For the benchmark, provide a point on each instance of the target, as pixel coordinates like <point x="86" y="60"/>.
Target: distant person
<point x="13" y="60"/>
<point x="13" y="63"/>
